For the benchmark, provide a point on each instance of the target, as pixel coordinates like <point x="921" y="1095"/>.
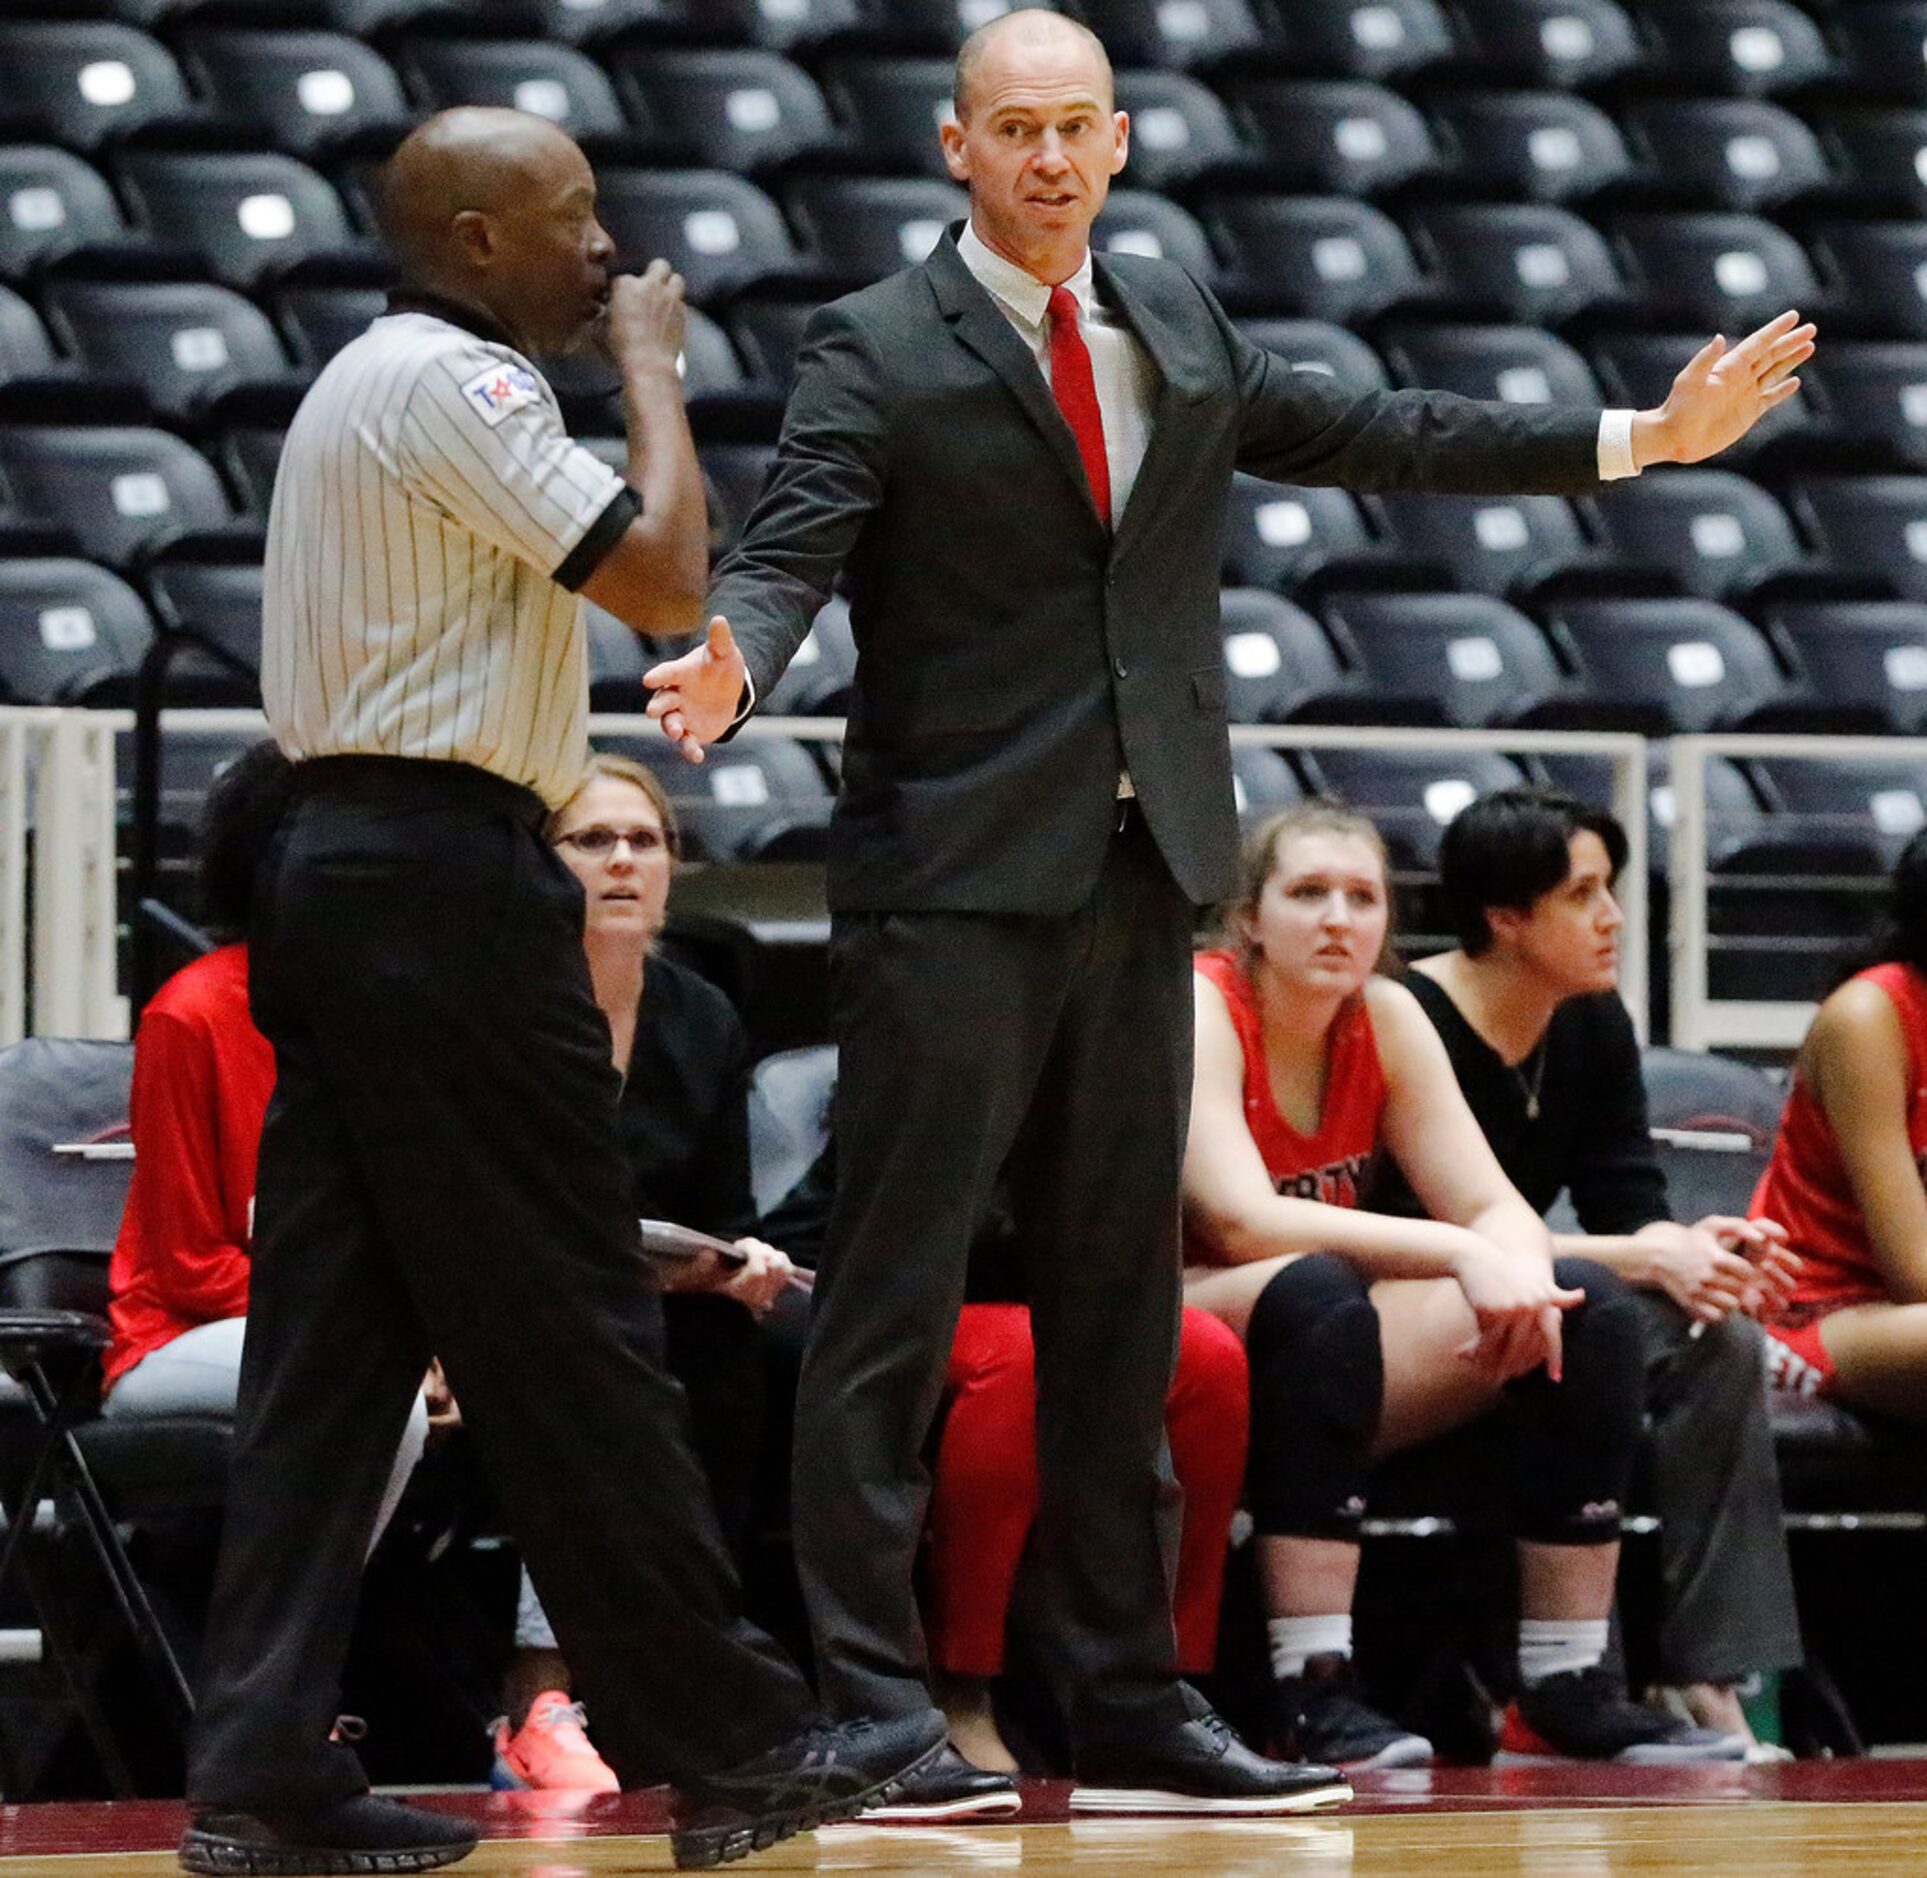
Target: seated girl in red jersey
<point x="1846" y="1176"/>
<point x="1368" y="1333"/>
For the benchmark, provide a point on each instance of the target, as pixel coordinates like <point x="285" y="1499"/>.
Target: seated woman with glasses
<point x="1368" y="1334"/>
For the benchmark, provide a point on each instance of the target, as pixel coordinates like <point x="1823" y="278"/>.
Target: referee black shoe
<point x="822" y="1775"/>
<point x="951" y="1788"/>
<point x="362" y="1834"/>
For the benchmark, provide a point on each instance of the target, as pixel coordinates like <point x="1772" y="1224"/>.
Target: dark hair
<point x="243" y="809"/>
<point x="1508" y="848"/>
<point x="1316" y="815"/>
<point x="1900" y="934"/>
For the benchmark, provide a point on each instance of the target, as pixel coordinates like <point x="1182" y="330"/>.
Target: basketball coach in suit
<point x="1016" y="457"/>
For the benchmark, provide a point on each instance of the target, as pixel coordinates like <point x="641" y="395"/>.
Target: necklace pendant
<point x="1532" y="1106"/>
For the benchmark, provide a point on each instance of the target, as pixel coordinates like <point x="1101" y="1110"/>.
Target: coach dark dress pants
<point x="441" y="1174"/>
<point x="1063" y="1045"/>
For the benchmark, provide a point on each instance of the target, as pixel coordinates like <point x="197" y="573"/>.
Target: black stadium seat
<point x="70" y="633"/>
<point x="298" y="91"/>
<point x="81" y="82"/>
<point x="1880" y="270"/>
<point x="1179" y="129"/>
<point x="1137" y="222"/>
<point x="1458" y="659"/>
<point x="1739" y="153"/>
<point x="1873" y="527"/>
<point x="1714" y="532"/>
<point x="1882" y="46"/>
<point x="718" y="231"/>
<point x="730" y="108"/>
<point x="1726" y="273"/>
<point x="1515" y="364"/>
<point x="1537" y="262"/>
<point x="860" y="228"/>
<point x="555" y="82"/>
<point x="1751" y="48"/>
<point x="119" y="492"/>
<point x="1667" y="667"/>
<point x="1862" y="663"/>
<point x="1569" y="43"/>
<point x="245" y="215"/>
<point x="1873" y="390"/>
<point x="1262" y="783"/>
<point x="219" y="605"/>
<point x="1322" y="256"/>
<point x="890" y="110"/>
<point x="1319" y="347"/>
<point x="51" y="201"/>
<point x="1880" y="152"/>
<point x="318" y="321"/>
<point x="25" y="350"/>
<point x="1337" y="137"/>
<point x="1277" y="536"/>
<point x="1502" y="545"/>
<point x="1542" y="145"/>
<point x="1178" y="33"/>
<point x="1379" y="39"/>
<point x="816" y="682"/>
<point x="1410" y="794"/>
<point x="182" y="343"/>
<point x="1279" y="665"/>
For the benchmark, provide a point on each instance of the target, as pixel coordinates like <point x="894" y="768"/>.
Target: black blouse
<point x="1590" y="1137"/>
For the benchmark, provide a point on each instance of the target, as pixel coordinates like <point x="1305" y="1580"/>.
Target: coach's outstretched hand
<point x="1722" y="391"/>
<point x="698" y="695"/>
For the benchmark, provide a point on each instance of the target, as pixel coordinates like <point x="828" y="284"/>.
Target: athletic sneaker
<point x="1586" y="1715"/>
<point x="550" y="1751"/>
<point x="1322" y="1715"/>
<point x="815" y="1778"/>
<point x="361" y="1834"/>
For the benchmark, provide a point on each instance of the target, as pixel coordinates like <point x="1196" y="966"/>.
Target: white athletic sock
<point x="1550" y="1646"/>
<point x="1296" y="1639"/>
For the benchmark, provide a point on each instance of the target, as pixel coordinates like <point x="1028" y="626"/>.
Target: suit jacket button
<point x="1121" y="669"/>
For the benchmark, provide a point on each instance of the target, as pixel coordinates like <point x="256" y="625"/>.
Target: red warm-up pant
<point x="984" y="1495"/>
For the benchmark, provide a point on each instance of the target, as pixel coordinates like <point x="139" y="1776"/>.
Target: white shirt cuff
<point x="749" y="685"/>
<point x="1616" y="446"/>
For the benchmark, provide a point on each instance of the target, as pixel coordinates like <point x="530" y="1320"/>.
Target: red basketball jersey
<point x="1805" y="1186"/>
<point x="1331" y="1163"/>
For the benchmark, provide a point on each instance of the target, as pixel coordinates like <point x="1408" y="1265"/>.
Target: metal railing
<point x="1701" y="1021"/>
<point x="57" y="781"/>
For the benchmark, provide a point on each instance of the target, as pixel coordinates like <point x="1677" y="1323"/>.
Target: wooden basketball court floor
<point x="1857" y="1817"/>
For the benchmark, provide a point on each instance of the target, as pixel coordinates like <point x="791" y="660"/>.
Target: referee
<point x="440" y="1172"/>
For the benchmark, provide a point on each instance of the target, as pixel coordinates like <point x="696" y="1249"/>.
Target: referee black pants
<point x="441" y="1175"/>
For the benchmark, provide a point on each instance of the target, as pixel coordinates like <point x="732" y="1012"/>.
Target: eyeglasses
<point x="598" y="841"/>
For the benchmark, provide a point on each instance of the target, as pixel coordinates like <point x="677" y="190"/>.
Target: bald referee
<point x="440" y="1171"/>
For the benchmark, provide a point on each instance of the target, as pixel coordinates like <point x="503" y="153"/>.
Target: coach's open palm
<point x="1722" y="391"/>
<point x="699" y="695"/>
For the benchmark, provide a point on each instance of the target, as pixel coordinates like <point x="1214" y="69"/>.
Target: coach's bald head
<point x="495" y="210"/>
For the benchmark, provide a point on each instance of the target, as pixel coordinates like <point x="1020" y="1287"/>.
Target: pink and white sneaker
<point x="550" y="1750"/>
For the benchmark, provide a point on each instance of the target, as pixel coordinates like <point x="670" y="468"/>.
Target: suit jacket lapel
<point x="982" y="325"/>
<point x="1180" y="384"/>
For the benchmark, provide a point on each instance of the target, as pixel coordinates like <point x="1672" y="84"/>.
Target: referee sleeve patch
<point x="501" y="390"/>
<point x="598" y="538"/>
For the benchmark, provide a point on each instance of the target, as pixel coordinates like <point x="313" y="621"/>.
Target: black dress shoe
<point x="821" y="1775"/>
<point x="1198" y="1766"/>
<point x="356" y="1835"/>
<point x="951" y="1788"/>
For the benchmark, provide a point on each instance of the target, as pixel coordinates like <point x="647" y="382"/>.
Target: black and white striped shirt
<point x="431" y="519"/>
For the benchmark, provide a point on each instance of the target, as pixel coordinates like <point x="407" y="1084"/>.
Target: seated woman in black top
<point x="1548" y="1061"/>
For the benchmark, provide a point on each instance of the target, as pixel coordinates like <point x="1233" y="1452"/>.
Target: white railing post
<point x="1686" y="882"/>
<point x="74" y="940"/>
<point x="16" y="738"/>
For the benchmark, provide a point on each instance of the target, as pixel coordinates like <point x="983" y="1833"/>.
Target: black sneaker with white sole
<point x="951" y="1788"/>
<point x="826" y="1773"/>
<point x="1586" y="1715"/>
<point x="1198" y="1766"/>
<point x="1322" y="1715"/>
<point x="362" y="1834"/>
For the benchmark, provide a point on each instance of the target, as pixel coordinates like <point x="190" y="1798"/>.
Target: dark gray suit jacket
<point x="1013" y="654"/>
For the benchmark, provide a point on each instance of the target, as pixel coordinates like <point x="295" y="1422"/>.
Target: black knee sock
<point x="1317" y="1387"/>
<point x="1574" y="1440"/>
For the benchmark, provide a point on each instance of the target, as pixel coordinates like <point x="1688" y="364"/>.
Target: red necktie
<point x="1075" y="390"/>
